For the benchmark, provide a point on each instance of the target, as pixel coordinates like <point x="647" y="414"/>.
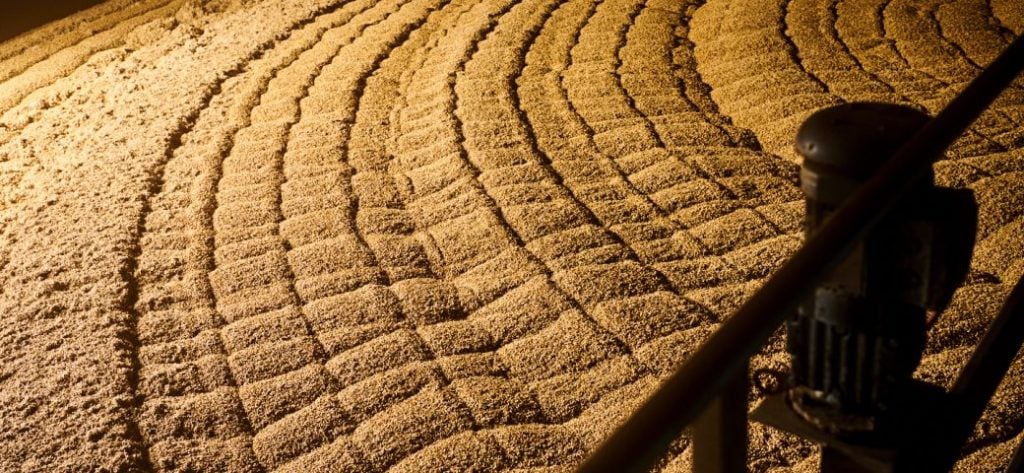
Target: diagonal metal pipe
<point x="980" y="377"/>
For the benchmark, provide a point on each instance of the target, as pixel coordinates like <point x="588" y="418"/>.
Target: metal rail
<point x="1017" y="463"/>
<point x="980" y="377"/>
<point x="645" y="437"/>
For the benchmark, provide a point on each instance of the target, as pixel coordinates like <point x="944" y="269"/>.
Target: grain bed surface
<point x="437" y="235"/>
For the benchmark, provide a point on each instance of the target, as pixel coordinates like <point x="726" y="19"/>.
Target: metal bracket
<point x="896" y="452"/>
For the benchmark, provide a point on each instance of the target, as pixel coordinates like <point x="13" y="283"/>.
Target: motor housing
<point x="857" y="337"/>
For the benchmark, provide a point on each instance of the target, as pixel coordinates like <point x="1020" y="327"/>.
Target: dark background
<point x="18" y="16"/>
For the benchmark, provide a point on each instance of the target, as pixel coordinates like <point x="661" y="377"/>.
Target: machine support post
<point x="720" y="432"/>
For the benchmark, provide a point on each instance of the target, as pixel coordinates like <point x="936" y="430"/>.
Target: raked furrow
<point x="20" y="80"/>
<point x="184" y="353"/>
<point x="39" y="45"/>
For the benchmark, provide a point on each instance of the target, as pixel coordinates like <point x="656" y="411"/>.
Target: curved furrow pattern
<point x="968" y="26"/>
<point x="381" y="361"/>
<point x="380" y="212"/>
<point x="600" y="185"/>
<point x="18" y="80"/>
<point x="645" y="73"/>
<point x="185" y="359"/>
<point x="37" y="46"/>
<point x="1008" y="14"/>
<point x="437" y="235"/>
<point x="430" y="329"/>
<point x="329" y="263"/>
<point x="697" y="91"/>
<point x="98" y="268"/>
<point x="340" y="100"/>
<point x="252" y="281"/>
<point x="733" y="217"/>
<point x="997" y="132"/>
<point x="642" y="77"/>
<point x="708" y="192"/>
<point x="46" y="98"/>
<point x="597" y="182"/>
<point x="63" y="27"/>
<point x="860" y="25"/>
<point x="753" y="68"/>
<point x="816" y="28"/>
<point x="565" y="145"/>
<point x="856" y="21"/>
<point x="863" y="27"/>
<point x="917" y="35"/>
<point x="811" y="24"/>
<point x="587" y="263"/>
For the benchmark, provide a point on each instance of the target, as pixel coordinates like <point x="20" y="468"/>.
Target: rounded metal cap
<point x="844" y="145"/>
<point x="855" y="138"/>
